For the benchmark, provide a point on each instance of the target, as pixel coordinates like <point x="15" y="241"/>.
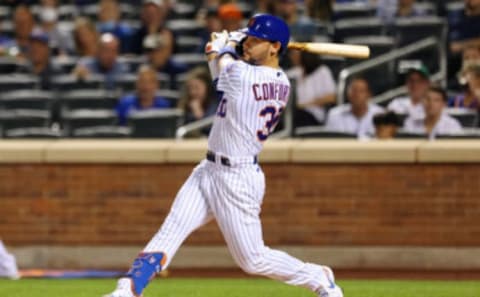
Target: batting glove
<point x="217" y="42"/>
<point x="236" y="36"/>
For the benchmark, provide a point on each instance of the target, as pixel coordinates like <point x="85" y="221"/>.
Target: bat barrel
<point x="333" y="49"/>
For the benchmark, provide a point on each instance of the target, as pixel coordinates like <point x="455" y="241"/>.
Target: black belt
<point x="225" y="160"/>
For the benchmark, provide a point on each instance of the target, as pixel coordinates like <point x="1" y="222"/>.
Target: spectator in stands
<point x="407" y="8"/>
<point x="8" y="264"/>
<point x="109" y="22"/>
<point x="264" y="6"/>
<point x="319" y="10"/>
<point x="159" y="54"/>
<point x="302" y="28"/>
<point x="357" y="116"/>
<point x="145" y="96"/>
<point x="389" y="10"/>
<point x="86" y="38"/>
<point x="153" y="21"/>
<point x="61" y="41"/>
<point x="471" y="97"/>
<point x="417" y="82"/>
<point x="23" y="23"/>
<point x="386" y="125"/>
<point x="386" y="10"/>
<point x="39" y="57"/>
<point x="315" y="90"/>
<point x="198" y="99"/>
<point x="470" y="54"/>
<point x="208" y="18"/>
<point x="230" y="16"/>
<point x="106" y="63"/>
<point x="436" y="121"/>
<point x="466" y="32"/>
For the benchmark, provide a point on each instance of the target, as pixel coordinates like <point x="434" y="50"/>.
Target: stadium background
<point x="406" y="205"/>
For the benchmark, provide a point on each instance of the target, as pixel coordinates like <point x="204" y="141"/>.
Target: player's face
<point x="417" y="86"/>
<point x="258" y="51"/>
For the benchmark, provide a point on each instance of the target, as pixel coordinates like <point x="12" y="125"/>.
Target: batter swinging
<point x="229" y="185"/>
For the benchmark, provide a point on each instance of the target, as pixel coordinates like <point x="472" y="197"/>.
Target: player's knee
<point x="254" y="265"/>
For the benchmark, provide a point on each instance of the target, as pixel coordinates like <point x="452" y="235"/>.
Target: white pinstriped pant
<point x="233" y="196"/>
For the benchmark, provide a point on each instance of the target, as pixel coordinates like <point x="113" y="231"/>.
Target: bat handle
<point x="297" y="45"/>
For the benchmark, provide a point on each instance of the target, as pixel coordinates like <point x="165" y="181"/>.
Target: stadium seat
<point x="409" y="30"/>
<point x="70" y="82"/>
<point x="126" y="82"/>
<point x="155" y="123"/>
<point x="24" y="118"/>
<point x="65" y="63"/>
<point x="13" y="82"/>
<point x="320" y="132"/>
<point x="188" y="44"/>
<point x="32" y="133"/>
<point x="82" y="118"/>
<point x="188" y="27"/>
<point x="467" y="133"/>
<point x="10" y="65"/>
<point x="357" y="27"/>
<point x="171" y="95"/>
<point x="467" y="117"/>
<point x="102" y="132"/>
<point x="133" y="62"/>
<point x="128" y="11"/>
<point x="184" y="10"/>
<point x="5" y="13"/>
<point x="7" y="28"/>
<point x="191" y="60"/>
<point x="409" y="135"/>
<point x="27" y="99"/>
<point x="87" y="99"/>
<point x="455" y="15"/>
<point x="67" y="12"/>
<point x="91" y="11"/>
<point x="352" y="10"/>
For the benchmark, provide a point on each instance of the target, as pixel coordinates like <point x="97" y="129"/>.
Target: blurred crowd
<point x="148" y="55"/>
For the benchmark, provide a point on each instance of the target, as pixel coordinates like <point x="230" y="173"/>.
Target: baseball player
<point x="229" y="184"/>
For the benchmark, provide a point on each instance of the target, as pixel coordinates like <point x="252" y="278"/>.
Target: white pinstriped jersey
<point x="250" y="107"/>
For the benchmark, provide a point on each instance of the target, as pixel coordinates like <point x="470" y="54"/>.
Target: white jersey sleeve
<point x="229" y="79"/>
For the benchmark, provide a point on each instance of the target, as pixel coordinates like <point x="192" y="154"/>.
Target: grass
<point x="237" y="288"/>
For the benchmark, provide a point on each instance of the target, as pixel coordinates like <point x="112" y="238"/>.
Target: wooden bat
<point x="332" y="49"/>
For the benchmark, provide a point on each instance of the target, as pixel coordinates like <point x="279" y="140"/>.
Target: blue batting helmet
<point x="269" y="27"/>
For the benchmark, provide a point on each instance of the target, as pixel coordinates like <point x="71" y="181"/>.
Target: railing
<point x="194" y="126"/>
<point x="420" y="45"/>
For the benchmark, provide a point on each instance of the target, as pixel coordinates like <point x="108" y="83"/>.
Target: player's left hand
<point x="218" y="40"/>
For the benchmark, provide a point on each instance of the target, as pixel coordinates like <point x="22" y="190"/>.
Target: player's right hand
<point x="236" y="36"/>
<point x="217" y="42"/>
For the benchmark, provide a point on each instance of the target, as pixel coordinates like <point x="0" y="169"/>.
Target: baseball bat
<point x="333" y="49"/>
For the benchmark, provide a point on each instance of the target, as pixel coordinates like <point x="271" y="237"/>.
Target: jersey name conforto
<point x="271" y="91"/>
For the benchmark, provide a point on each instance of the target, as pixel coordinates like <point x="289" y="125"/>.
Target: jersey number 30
<point x="272" y="114"/>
